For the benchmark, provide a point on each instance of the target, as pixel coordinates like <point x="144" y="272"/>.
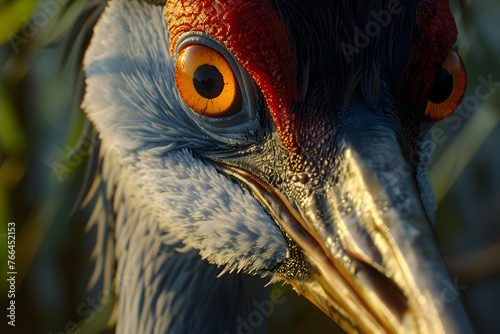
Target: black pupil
<point x="208" y="81"/>
<point x="442" y="87"/>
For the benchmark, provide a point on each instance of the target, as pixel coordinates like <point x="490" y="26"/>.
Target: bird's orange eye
<point x="448" y="88"/>
<point x="207" y="82"/>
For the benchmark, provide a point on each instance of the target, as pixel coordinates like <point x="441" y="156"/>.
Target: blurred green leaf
<point x="12" y="137"/>
<point x="13" y="16"/>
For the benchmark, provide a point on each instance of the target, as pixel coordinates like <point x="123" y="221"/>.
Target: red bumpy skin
<point x="256" y="36"/>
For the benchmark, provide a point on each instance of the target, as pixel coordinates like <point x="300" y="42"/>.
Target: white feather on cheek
<point x="132" y="101"/>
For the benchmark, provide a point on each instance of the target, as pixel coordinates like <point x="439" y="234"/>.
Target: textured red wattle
<point x="256" y="36"/>
<point x="434" y="34"/>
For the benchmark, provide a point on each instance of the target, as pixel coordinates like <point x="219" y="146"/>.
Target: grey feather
<point x="174" y="216"/>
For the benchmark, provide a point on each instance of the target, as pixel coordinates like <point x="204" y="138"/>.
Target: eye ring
<point x="448" y="88"/>
<point x="206" y="82"/>
<point x="244" y="111"/>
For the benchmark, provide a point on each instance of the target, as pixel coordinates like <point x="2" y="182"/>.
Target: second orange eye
<point x="206" y="82"/>
<point x="448" y="89"/>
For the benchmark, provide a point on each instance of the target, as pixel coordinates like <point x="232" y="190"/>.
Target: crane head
<point x="288" y="138"/>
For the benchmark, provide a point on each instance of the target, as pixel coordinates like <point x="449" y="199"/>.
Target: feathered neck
<point x="172" y="218"/>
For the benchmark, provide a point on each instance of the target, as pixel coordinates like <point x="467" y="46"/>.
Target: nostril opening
<point x="388" y="292"/>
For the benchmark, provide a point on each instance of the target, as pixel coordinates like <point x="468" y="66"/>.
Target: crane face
<point x="287" y="139"/>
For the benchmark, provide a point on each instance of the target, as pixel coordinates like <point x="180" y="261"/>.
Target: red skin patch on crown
<point x="256" y="36"/>
<point x="434" y="34"/>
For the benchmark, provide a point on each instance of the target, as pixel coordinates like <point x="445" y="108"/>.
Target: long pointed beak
<point x="372" y="260"/>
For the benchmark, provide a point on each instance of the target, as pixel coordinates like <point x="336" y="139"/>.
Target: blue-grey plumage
<point x="166" y="201"/>
<point x="198" y="216"/>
